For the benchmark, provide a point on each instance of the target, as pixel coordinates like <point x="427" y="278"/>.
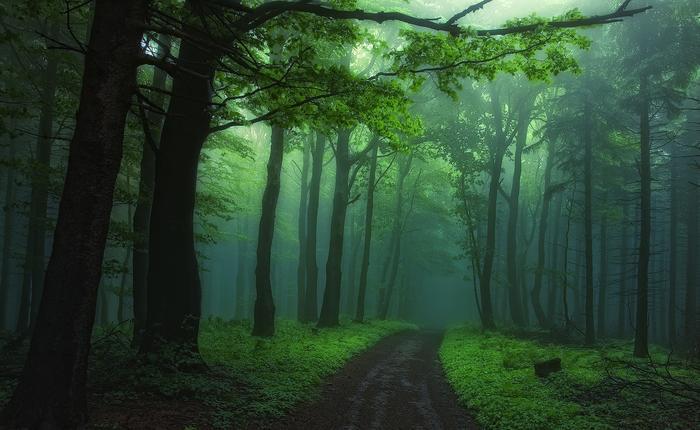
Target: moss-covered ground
<point x="598" y="388"/>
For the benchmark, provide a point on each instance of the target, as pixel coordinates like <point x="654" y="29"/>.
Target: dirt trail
<point x="397" y="384"/>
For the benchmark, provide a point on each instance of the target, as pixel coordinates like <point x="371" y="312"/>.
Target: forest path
<point x="397" y="384"/>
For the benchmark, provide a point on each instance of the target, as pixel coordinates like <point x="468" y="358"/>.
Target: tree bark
<point x="690" y="323"/>
<point x="497" y="152"/>
<point x="544" y="217"/>
<point x="174" y="290"/>
<point x="554" y="278"/>
<point x="603" y="277"/>
<point x="588" y="221"/>
<point x="367" y="243"/>
<point x="8" y="233"/>
<point x="264" y="311"/>
<point x="241" y="278"/>
<point x="641" y="332"/>
<point x="396" y="230"/>
<point x="622" y="294"/>
<point x="142" y="212"/>
<point x="51" y="391"/>
<point x="330" y="309"/>
<point x="311" y="300"/>
<point x="303" y="208"/>
<point x="514" y="297"/>
<point x="673" y="252"/>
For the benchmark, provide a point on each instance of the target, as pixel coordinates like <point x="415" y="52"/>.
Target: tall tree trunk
<point x="367" y="243"/>
<point x="142" y="212"/>
<point x="51" y="391"/>
<point x="544" y="216"/>
<point x="174" y="292"/>
<point x="588" y="221"/>
<point x="264" y="311"/>
<point x="301" y="228"/>
<point x="352" y="265"/>
<point x="515" y="300"/>
<point x="622" y="300"/>
<point x="35" y="255"/>
<point x="603" y="276"/>
<point x="8" y="232"/>
<point x="330" y="309"/>
<point x="554" y="278"/>
<point x="311" y="300"/>
<point x="121" y="310"/>
<point x="673" y="253"/>
<point x="497" y="152"/>
<point x="641" y="332"/>
<point x="241" y="278"/>
<point x="690" y="323"/>
<point x="396" y="231"/>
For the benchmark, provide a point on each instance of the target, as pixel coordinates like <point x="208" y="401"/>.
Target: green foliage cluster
<point x="493" y="375"/>
<point x="248" y="379"/>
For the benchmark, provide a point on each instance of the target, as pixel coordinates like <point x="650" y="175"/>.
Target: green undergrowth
<point x="598" y="388"/>
<point x="246" y="379"/>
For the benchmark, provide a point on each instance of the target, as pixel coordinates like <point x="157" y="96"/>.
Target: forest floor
<point x="249" y="382"/>
<point x="397" y="384"/>
<point x="600" y="387"/>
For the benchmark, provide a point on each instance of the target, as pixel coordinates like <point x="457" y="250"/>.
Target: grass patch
<point x="249" y="379"/>
<point x="598" y="388"/>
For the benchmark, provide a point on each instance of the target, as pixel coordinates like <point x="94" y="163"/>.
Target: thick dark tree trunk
<point x="311" y="300"/>
<point x="544" y="216"/>
<point x="603" y="277"/>
<point x="8" y="233"/>
<point x="588" y="221"/>
<point x="367" y="243"/>
<point x="330" y="309"/>
<point x="264" y="311"/>
<point x="51" y="391"/>
<point x="515" y="300"/>
<point x="641" y="332"/>
<point x="142" y="212"/>
<point x="174" y="290"/>
<point x="303" y="208"/>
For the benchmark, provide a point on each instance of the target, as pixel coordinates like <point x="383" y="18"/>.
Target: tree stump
<point x="545" y="368"/>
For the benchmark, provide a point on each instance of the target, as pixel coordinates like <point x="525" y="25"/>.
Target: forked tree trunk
<point x="515" y="300"/>
<point x="367" y="243"/>
<point x="330" y="309"/>
<point x="311" y="300"/>
<point x="544" y="217"/>
<point x="51" y="391"/>
<point x="264" y="311"/>
<point x="174" y="289"/>
<point x="142" y="212"/>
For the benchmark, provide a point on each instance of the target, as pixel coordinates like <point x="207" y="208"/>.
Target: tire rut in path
<point x="397" y="384"/>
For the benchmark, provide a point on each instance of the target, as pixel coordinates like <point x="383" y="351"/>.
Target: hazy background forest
<point x="544" y="183"/>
